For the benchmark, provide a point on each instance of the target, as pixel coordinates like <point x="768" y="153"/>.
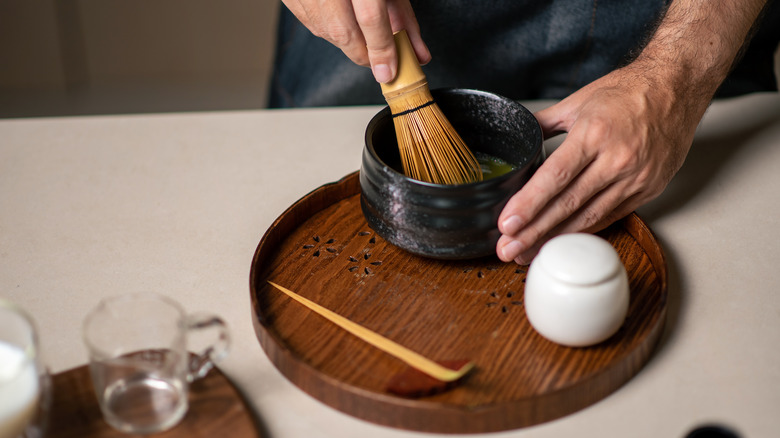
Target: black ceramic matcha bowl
<point x="449" y="221"/>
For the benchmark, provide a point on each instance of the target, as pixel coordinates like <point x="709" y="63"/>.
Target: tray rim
<point x="322" y="198"/>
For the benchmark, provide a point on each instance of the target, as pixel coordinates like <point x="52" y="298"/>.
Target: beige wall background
<point x="67" y="57"/>
<point x="72" y="57"/>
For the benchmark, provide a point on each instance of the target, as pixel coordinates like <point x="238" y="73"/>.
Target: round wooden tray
<point x="322" y="248"/>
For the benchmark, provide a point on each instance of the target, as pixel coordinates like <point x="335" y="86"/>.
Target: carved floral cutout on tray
<point x="504" y="301"/>
<point x="484" y="272"/>
<point x="320" y="245"/>
<point x="364" y="260"/>
<point x="500" y="300"/>
<point x="372" y="240"/>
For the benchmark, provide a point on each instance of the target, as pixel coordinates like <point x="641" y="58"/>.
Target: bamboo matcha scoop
<point x="411" y="358"/>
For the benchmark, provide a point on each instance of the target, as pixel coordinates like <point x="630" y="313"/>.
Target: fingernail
<point x="511" y="225"/>
<point x="382" y="73"/>
<point x="512" y="250"/>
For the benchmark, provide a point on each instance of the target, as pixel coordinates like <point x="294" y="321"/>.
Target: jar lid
<point x="579" y="258"/>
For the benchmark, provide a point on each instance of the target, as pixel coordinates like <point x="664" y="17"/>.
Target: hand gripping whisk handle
<point x="410" y="75"/>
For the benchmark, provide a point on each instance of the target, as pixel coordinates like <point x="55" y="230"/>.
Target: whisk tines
<point x="431" y="150"/>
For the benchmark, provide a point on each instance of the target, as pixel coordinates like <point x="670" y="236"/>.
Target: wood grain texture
<point x="215" y="407"/>
<point x="322" y="248"/>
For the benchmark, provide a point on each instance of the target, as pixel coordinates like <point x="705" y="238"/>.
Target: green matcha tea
<point x="492" y="166"/>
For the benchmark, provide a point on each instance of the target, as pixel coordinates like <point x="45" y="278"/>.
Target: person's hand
<point x="363" y="30"/>
<point x="627" y="137"/>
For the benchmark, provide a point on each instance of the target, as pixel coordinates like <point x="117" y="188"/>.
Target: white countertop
<point x="177" y="203"/>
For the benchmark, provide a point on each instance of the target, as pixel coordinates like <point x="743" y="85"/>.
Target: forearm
<point x="628" y="131"/>
<point x="695" y="46"/>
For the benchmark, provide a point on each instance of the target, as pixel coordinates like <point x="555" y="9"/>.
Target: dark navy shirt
<point x="521" y="49"/>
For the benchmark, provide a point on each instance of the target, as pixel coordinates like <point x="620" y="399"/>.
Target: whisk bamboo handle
<point x="410" y="75"/>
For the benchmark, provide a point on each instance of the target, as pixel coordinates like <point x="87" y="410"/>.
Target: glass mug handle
<point x="202" y="362"/>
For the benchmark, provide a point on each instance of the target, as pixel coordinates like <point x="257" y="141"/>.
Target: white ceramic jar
<point x="576" y="291"/>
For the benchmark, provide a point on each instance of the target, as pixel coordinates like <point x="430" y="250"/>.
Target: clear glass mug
<point x="139" y="359"/>
<point x="24" y="381"/>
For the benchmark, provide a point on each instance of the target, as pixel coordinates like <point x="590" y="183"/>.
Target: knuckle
<point x="349" y="41"/>
<point x="589" y="217"/>
<point x="569" y="202"/>
<point x="598" y="129"/>
<point x="369" y="14"/>
<point x="560" y="173"/>
<point x="340" y="36"/>
<point x="384" y="52"/>
<point x="625" y="157"/>
<point x="625" y="161"/>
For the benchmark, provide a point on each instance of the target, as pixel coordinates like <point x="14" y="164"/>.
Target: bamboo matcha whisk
<point x="430" y="148"/>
